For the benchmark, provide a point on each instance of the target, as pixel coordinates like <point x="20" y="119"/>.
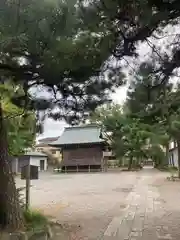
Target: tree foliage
<point x="126" y="135"/>
<point x="19" y="122"/>
<point x="44" y="46"/>
<point x="151" y="97"/>
<point x="50" y="49"/>
<point x="78" y="41"/>
<point x="133" y="22"/>
<point x="158" y="107"/>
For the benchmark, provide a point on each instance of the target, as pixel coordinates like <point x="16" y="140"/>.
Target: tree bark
<point x="178" y="147"/>
<point x="11" y="217"/>
<point x="130" y="163"/>
<point x="166" y="162"/>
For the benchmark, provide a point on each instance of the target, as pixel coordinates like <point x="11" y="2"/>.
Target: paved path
<point x="149" y="214"/>
<point x="115" y="206"/>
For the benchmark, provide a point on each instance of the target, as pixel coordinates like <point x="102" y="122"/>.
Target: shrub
<point x="34" y="219"/>
<point x="172" y="168"/>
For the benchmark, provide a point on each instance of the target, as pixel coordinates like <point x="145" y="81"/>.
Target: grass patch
<point x="34" y="219"/>
<point x="167" y="168"/>
<point x="173" y="169"/>
<point x="173" y="174"/>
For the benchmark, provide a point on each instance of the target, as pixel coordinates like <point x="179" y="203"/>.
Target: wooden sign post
<point x="29" y="173"/>
<point x="28" y="181"/>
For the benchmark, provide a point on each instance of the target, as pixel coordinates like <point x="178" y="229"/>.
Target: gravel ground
<point x="120" y="205"/>
<point x="88" y="201"/>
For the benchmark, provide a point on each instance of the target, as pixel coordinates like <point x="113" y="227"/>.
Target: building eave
<point x="75" y="144"/>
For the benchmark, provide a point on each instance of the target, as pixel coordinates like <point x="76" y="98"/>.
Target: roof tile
<point x="79" y="135"/>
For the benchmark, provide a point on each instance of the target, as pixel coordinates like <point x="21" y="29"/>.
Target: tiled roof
<point x="79" y="135"/>
<point x="48" y="140"/>
<point x="35" y="154"/>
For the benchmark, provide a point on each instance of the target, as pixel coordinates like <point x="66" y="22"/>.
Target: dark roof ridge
<point x="48" y="139"/>
<point x="83" y="126"/>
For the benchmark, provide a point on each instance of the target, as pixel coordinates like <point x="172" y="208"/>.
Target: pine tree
<point x="131" y="23"/>
<point x="66" y="48"/>
<point x="44" y="45"/>
<point x="157" y="106"/>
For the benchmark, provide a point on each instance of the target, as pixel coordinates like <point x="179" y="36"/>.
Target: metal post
<point x="77" y="168"/>
<point x="27" y="186"/>
<point x="89" y="168"/>
<point x="65" y="170"/>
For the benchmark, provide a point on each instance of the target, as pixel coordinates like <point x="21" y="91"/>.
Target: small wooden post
<point x="105" y="164"/>
<point x="102" y="164"/>
<point x="89" y="168"/>
<point x="16" y="165"/>
<point x="28" y="185"/>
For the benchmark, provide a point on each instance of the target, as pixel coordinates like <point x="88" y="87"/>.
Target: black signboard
<point x="34" y="173"/>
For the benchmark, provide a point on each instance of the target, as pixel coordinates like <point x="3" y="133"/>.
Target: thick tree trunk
<point x="178" y="146"/>
<point x="166" y="162"/>
<point x="130" y="163"/>
<point x="10" y="212"/>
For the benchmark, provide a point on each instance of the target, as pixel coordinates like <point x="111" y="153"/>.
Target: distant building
<point x="53" y="153"/>
<point x="32" y="158"/>
<point x="173" y="154"/>
<point x="82" y="148"/>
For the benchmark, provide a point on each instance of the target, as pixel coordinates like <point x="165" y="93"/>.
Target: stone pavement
<point x="147" y="216"/>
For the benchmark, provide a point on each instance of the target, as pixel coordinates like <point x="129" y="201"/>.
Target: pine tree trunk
<point x="130" y="163"/>
<point x="10" y="212"/>
<point x="178" y="146"/>
<point x="166" y="162"/>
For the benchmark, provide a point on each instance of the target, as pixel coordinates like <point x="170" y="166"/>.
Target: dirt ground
<point x="120" y="205"/>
